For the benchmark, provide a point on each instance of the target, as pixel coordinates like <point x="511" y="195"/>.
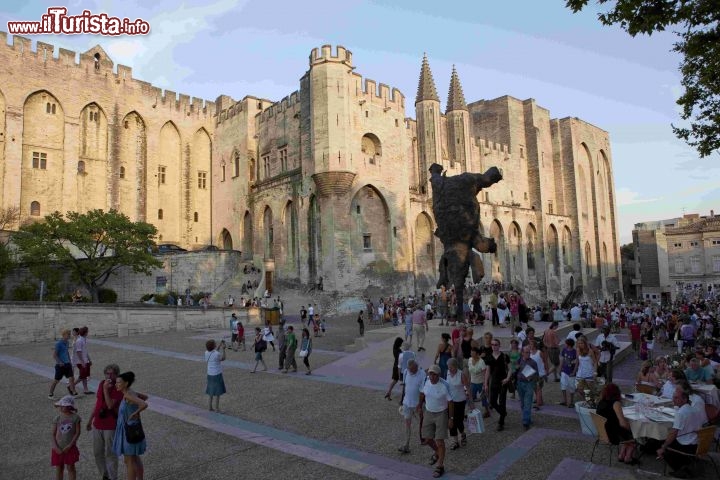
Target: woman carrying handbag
<point x="306" y="349"/>
<point x="129" y="438"/>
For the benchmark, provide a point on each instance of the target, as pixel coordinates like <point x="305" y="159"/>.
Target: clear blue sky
<point x="569" y="63"/>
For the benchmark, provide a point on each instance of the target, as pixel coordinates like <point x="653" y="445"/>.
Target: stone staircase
<point x="233" y="285"/>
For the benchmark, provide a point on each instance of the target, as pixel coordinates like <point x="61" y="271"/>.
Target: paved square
<point x="333" y="424"/>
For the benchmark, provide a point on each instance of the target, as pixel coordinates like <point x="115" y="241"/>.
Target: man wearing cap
<point x="437" y="415"/>
<point x="413" y="380"/>
<point x="420" y="326"/>
<point x="63" y="367"/>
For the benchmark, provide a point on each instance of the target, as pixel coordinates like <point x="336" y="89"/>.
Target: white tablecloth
<point x="642" y="426"/>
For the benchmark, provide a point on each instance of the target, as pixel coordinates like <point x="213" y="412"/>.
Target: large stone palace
<point x="331" y="181"/>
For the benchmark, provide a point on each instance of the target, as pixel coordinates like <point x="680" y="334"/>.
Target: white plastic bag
<point x="476" y="424"/>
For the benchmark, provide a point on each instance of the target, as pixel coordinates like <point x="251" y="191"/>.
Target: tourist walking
<point x="459" y="383"/>
<point x="103" y="421"/>
<point x="129" y="418"/>
<point x="407" y="320"/>
<point x="395" y="376"/>
<point x="291" y="342"/>
<point x="281" y="344"/>
<point x="405" y="356"/>
<point x="81" y="358"/>
<point x="476" y="368"/>
<point x="259" y="346"/>
<point x="65" y="433"/>
<point x="541" y="360"/>
<point x="214" y="356"/>
<point x="443" y="354"/>
<point x="438" y="414"/>
<point x="420" y="326"/>
<point x="527" y="377"/>
<point x="497" y="376"/>
<point x="413" y="381"/>
<point x="568" y="367"/>
<point x="361" y="323"/>
<point x="63" y="367"/>
<point x="551" y="341"/>
<point x="269" y="336"/>
<point x="306" y="350"/>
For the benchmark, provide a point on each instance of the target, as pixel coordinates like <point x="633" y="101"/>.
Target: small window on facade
<point x="47" y="107"/>
<point x="122" y="172"/>
<point x="395" y="232"/>
<point x="428" y="248"/>
<point x="202" y="180"/>
<point x="522" y="152"/>
<point x="550" y="207"/>
<point x="195" y="217"/>
<point x="357" y="209"/>
<point x="53" y="108"/>
<point x="161" y="174"/>
<point x="366" y="114"/>
<point x="397" y="123"/>
<point x="35" y="209"/>
<point x="525" y="195"/>
<point x="487" y="196"/>
<point x="81" y="166"/>
<point x="283" y="154"/>
<point x="367" y="242"/>
<point x="222" y="172"/>
<point x="236" y="163"/>
<point x="97" y="61"/>
<point x="160" y="214"/>
<point x="127" y="124"/>
<point x="39" y="160"/>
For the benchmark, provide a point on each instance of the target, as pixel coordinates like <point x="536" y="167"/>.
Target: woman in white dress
<point x="268" y="336"/>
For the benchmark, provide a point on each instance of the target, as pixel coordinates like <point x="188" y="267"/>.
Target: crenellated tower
<point x="427" y="112"/>
<point x="458" y="124"/>
<point x="329" y="113"/>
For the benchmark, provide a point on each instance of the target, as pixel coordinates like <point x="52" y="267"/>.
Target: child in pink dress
<point x="65" y="433"/>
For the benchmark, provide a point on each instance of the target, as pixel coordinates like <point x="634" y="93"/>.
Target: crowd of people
<point x="114" y="420"/>
<point x="478" y="373"/>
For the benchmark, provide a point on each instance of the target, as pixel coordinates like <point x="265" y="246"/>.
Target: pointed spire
<point x="426" y="87"/>
<point x="456" y="99"/>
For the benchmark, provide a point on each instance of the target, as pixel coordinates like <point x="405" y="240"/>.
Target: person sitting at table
<point x="662" y="372"/>
<point x="647" y="375"/>
<point x="682" y="436"/>
<point x="617" y="427"/>
<point x="697" y="373"/>
<point x="676" y="377"/>
<point x="695" y="399"/>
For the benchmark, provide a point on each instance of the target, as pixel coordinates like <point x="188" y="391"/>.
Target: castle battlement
<point x="378" y="94"/>
<point x="288" y="102"/>
<point x="324" y="54"/>
<point x="44" y="52"/>
<point x="489" y="147"/>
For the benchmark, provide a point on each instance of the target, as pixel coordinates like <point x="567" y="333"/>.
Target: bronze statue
<point x="457" y="214"/>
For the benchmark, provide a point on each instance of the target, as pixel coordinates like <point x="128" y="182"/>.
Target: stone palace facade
<point x="331" y="181"/>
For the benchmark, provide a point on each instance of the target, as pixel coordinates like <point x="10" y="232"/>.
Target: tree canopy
<point x="91" y="246"/>
<point x="698" y="24"/>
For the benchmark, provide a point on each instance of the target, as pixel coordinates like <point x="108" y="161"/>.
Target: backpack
<point x="261" y="345"/>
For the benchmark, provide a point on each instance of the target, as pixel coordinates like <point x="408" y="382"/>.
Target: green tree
<point x="91" y="246"/>
<point x="698" y="24"/>
<point x="8" y="217"/>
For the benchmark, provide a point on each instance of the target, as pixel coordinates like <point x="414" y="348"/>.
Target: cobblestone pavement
<point x="333" y="424"/>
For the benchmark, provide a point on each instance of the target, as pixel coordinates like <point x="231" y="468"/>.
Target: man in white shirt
<point x="413" y="380"/>
<point x="311" y="313"/>
<point x="606" y="344"/>
<point x="437" y="416"/>
<point x="575" y="312"/>
<point x="575" y="332"/>
<point x="682" y="436"/>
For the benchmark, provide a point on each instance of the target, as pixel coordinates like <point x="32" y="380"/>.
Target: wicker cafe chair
<point x="705" y="439"/>
<point x="646" y="389"/>
<point x="602" y="438"/>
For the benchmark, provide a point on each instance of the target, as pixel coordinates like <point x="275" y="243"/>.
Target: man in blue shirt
<point x="63" y="367"/>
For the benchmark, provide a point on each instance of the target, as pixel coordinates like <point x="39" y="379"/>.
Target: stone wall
<point x="42" y="322"/>
<point x="198" y="271"/>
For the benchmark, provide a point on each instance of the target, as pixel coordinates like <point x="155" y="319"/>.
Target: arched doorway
<point x="227" y="243"/>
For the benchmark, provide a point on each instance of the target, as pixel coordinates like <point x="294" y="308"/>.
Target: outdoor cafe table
<point x="656" y="422"/>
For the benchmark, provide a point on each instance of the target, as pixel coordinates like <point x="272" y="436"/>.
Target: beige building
<point x="677" y="257"/>
<point x="331" y="181"/>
